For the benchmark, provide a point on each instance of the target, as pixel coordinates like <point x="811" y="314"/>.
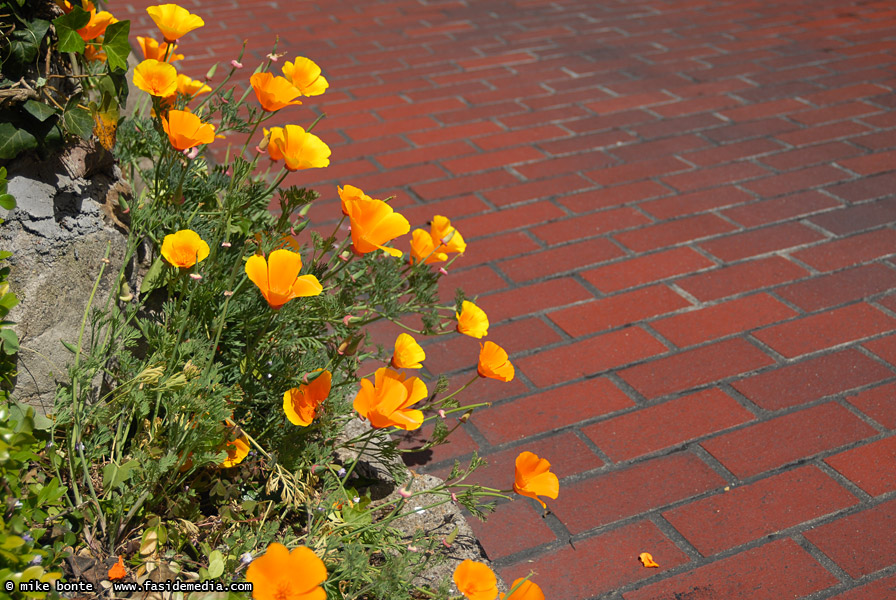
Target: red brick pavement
<point x="680" y="218"/>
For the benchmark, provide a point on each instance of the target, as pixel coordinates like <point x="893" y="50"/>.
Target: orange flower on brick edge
<point x="173" y="21"/>
<point x="278" y="277"/>
<point x="97" y="25"/>
<point x="527" y="590"/>
<point x="472" y="320"/>
<point x="408" y="353"/>
<point x="156" y="51"/>
<point x="237" y="450"/>
<point x="184" y="248"/>
<point x="280" y="574"/>
<point x="274" y="93"/>
<point x="374" y="224"/>
<point x="494" y="363"/>
<point x="156" y="78"/>
<point x="305" y="76"/>
<point x="386" y="401"/>
<point x="423" y="249"/>
<point x="117" y="571"/>
<point x="185" y="130"/>
<point x="533" y="478"/>
<point x="298" y="148"/>
<point x="476" y="581"/>
<point x="448" y="238"/>
<point x="300" y="404"/>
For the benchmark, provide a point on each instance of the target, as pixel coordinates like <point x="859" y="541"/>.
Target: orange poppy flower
<point x="184" y="248"/>
<point x="156" y="78"/>
<point x="173" y="21"/>
<point x="385" y="402"/>
<point x="423" y="249"/>
<point x="274" y="93"/>
<point x="526" y="591"/>
<point x="493" y="362"/>
<point x="374" y="223"/>
<point x="66" y="6"/>
<point x="349" y="194"/>
<point x="237" y="450"/>
<point x="117" y="571"/>
<point x="408" y="353"/>
<point x="305" y="76"/>
<point x="476" y="581"/>
<point x="297" y="148"/>
<point x="646" y="559"/>
<point x="301" y="404"/>
<point x="156" y="51"/>
<point x="280" y="574"/>
<point x="97" y="25"/>
<point x="472" y="320"/>
<point x="278" y="277"/>
<point x="92" y="53"/>
<point x="187" y="86"/>
<point x="449" y="238"/>
<point x="185" y="130"/>
<point x="533" y="478"/>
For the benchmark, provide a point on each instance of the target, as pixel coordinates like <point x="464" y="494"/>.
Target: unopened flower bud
<point x="225" y="244"/>
<point x="405" y="493"/>
<point x="442" y="413"/>
<point x="195" y="276"/>
<point x="236" y="64"/>
<point x="443" y="271"/>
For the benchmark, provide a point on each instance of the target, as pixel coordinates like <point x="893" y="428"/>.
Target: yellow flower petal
<point x="173" y="21"/>
<point x="472" y="320"/>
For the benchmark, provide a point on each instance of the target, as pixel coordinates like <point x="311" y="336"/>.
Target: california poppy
<point x="118" y="570"/>
<point x="305" y="76"/>
<point x="274" y="93"/>
<point x="533" y="478"/>
<point x="156" y="78"/>
<point x="349" y="194"/>
<point x="184" y="248"/>
<point x="447" y="237"/>
<point x="423" y="249"/>
<point x="374" y="224"/>
<point x="185" y="130"/>
<point x="66" y="6"/>
<point x="187" y="86"/>
<point x="156" y="51"/>
<point x="173" y="21"/>
<point x="97" y="25"/>
<point x="297" y="148"/>
<point x="493" y="362"/>
<point x="476" y="581"/>
<point x="293" y="575"/>
<point x="472" y="320"/>
<point x="92" y="52"/>
<point x="300" y="404"/>
<point x="278" y="277"/>
<point x="408" y="353"/>
<point x="237" y="450"/>
<point x="527" y="590"/>
<point x="647" y="560"/>
<point x="385" y="402"/>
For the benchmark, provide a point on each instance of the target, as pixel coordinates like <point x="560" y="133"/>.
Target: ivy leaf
<point x="79" y="122"/>
<point x="39" y="110"/>
<point x="14" y="141"/>
<point x="67" y="27"/>
<point x="9" y="342"/>
<point x="115" y="44"/>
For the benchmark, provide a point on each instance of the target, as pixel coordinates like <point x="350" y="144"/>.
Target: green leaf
<point x="116" y="46"/>
<point x="9" y="342"/>
<point x="7" y="201"/>
<point x="14" y="141"/>
<point x="215" y="564"/>
<point x="39" y="110"/>
<point x="67" y="27"/>
<point x="153" y="277"/>
<point x="8" y="301"/>
<point x="79" y="122"/>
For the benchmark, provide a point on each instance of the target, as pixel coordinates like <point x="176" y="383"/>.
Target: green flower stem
<point x="459" y="390"/>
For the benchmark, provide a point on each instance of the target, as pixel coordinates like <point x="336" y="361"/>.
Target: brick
<point x="870" y="164"/>
<point x="822" y="133"/>
<point x="761" y="241"/>
<point x="882" y="140"/>
<point x="633" y="490"/>
<point x="772" y="108"/>
<point x="561" y="114"/>
<point x="386" y="181"/>
<point x="714" y="176"/>
<point x="550" y="410"/>
<point x="732" y="152"/>
<point x="782" y="440"/>
<point x="838" y="112"/>
<point x="875" y="590"/>
<point x="589" y="141"/>
<point x="780" y="569"/>
<point x="858" y="217"/>
<point x="529" y="299"/>
<point x="810" y="155"/>
<point x="669" y="233"/>
<point x="780" y="209"/>
<point x="884" y="347"/>
<point x="560" y="259"/>
<point x="865" y="188"/>
<point x="763" y="128"/>
<point x="720" y="320"/>
<point x="475" y="281"/>
<point x="692" y="368"/>
<point x="501" y="534"/>
<point x="658" y="148"/>
<point x="611" y="105"/>
<point x="416" y="109"/>
<point x="450" y="133"/>
<point x="849" y="92"/>
<point x="812" y="379"/>
<point x="472" y="114"/>
<point x="621" y="309"/>
<point x="691" y="106"/>
<point x="498" y="246"/>
<point x="645" y="269"/>
<point x="634" y="171"/>
<point x="878" y="404"/>
<point x="424" y="155"/>
<point x="845" y="252"/>
<point x="489" y="160"/>
<point x="795" y="181"/>
<point x="742" y="277"/>
<point x="839" y="288"/>
<point x="606" y="122"/>
<point x="590" y="225"/>
<point x="861" y="543"/>
<point x="589" y="357"/>
<point x="826" y="330"/>
<point x="538" y="190"/>
<point x="686" y="204"/>
<point x="667" y="425"/>
<point x="616" y="195"/>
<point x="458" y="444"/>
<point x="456" y="186"/>
<point x="507" y="219"/>
<point x="870" y="466"/>
<point x="419" y="215"/>
<point x="366" y="132"/>
<point x="508" y="139"/>
<point x="748" y="513"/>
<point x="599" y="564"/>
<point x="665" y="127"/>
